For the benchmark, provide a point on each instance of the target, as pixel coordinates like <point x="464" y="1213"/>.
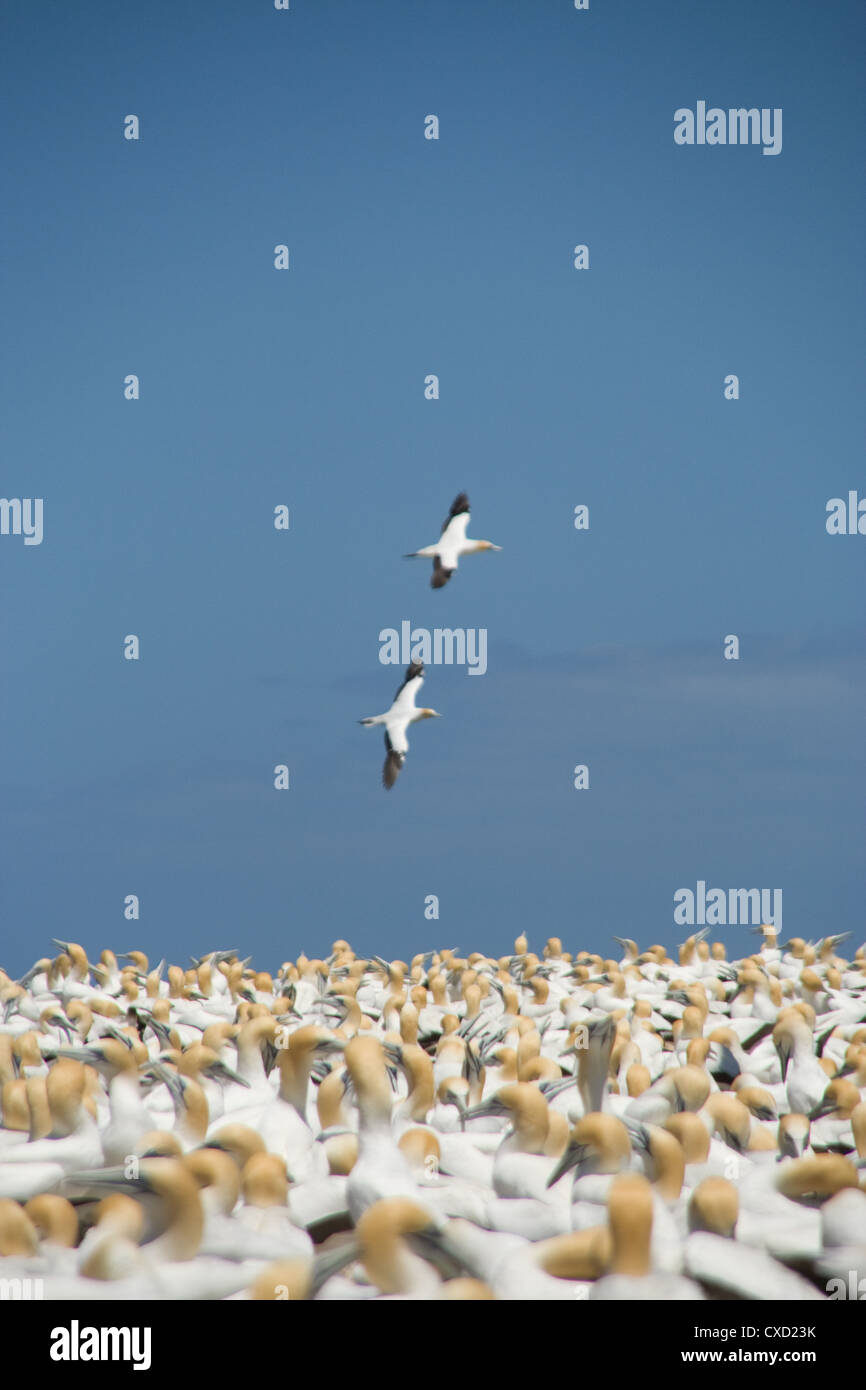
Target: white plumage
<point x="452" y="543"/>
<point x="397" y="719"/>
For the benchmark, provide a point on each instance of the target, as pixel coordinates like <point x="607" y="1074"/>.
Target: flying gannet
<point x="452" y="543"/>
<point x="397" y="719"/>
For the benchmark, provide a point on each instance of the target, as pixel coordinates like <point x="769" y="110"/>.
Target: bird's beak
<point x="784" y="1051"/>
<point x="486" y="1110"/>
<point x="169" y="1078"/>
<point x="90" y="1056"/>
<point x="114" y="1179"/>
<point x="732" y="1141"/>
<point x="824" y="1107"/>
<point x="725" y="1066"/>
<point x="462" y="1110"/>
<point x="329" y="1262"/>
<point x="572" y="1157"/>
<point x="218" y="1071"/>
<point x="433" y="1246"/>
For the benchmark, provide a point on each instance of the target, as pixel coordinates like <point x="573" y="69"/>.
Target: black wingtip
<point x="440" y="575"/>
<point x="393" y="764"/>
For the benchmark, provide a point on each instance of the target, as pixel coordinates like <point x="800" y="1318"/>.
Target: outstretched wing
<point x="440" y="574"/>
<point x="411" y="684"/>
<point x="393" y="763"/>
<point x="458" y="507"/>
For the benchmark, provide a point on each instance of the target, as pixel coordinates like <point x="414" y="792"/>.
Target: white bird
<point x="743" y="1272"/>
<point x="631" y="1215"/>
<point x="806" y="1079"/>
<point x="520" y="1269"/>
<point x="521" y="1165"/>
<point x="669" y="1077"/>
<point x="265" y="1214"/>
<point x="381" y="1170"/>
<point x="21" y="1181"/>
<point x="397" y="719"/>
<point x="280" y="1119"/>
<point x="74" y="1139"/>
<point x="452" y="543"/>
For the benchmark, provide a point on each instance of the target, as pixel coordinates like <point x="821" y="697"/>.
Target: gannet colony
<point x="533" y="1127"/>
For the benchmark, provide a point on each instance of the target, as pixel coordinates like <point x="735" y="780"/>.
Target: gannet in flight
<point x="397" y="719"/>
<point x="452" y="543"/>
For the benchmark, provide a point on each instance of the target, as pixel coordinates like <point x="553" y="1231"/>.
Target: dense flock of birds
<point x="531" y="1127"/>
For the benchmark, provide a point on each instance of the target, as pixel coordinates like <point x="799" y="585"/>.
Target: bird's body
<point x="397" y="719"/>
<point x="452" y="543"/>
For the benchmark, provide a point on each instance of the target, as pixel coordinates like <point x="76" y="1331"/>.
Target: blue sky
<point x="305" y="387"/>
